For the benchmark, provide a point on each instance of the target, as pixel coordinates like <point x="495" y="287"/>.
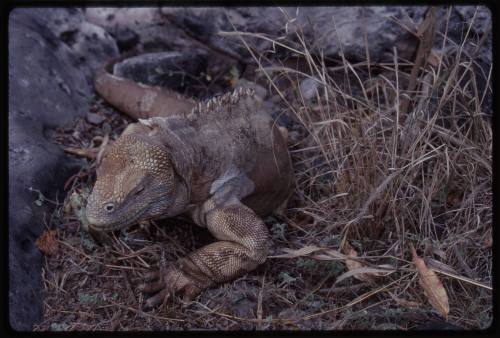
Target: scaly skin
<point x="224" y="164"/>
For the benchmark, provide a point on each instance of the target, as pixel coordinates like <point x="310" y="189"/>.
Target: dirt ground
<point x="375" y="176"/>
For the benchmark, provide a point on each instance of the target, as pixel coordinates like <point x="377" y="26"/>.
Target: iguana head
<point x="136" y="181"/>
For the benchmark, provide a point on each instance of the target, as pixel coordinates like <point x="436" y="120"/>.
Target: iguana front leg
<point x="242" y="246"/>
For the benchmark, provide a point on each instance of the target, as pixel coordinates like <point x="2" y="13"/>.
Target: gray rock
<point x="168" y="69"/>
<point x="138" y="28"/>
<point x="461" y="19"/>
<point x="308" y="87"/>
<point x="341" y="30"/>
<point x="174" y="29"/>
<point x="94" y="118"/>
<point x="473" y="22"/>
<point x="52" y="53"/>
<point x="331" y="30"/>
<point x="86" y="44"/>
<point x="481" y="15"/>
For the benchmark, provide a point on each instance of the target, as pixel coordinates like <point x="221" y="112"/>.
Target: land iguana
<point x="224" y="163"/>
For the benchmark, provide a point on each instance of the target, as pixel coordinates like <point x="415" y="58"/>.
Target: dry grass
<point x="369" y="175"/>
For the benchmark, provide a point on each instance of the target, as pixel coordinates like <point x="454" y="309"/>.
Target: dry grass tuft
<point x="386" y="156"/>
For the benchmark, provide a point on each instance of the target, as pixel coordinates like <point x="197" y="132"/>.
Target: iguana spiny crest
<point x="226" y="100"/>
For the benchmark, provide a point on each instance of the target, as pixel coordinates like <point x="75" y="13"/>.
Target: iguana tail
<point x="138" y="100"/>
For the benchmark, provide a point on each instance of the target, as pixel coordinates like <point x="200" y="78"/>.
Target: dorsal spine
<point x="228" y="99"/>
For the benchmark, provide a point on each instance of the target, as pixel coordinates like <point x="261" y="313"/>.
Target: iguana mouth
<point x="116" y="226"/>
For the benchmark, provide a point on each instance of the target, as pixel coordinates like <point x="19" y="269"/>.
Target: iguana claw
<point x="166" y="284"/>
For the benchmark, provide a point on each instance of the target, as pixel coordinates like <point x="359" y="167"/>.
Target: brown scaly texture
<point x="224" y="163"/>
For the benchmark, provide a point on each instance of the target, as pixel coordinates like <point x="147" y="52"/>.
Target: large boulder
<point x="164" y="69"/>
<point x="172" y="28"/>
<point x="466" y="27"/>
<point x="52" y="56"/>
<point x="138" y="28"/>
<point x="328" y="31"/>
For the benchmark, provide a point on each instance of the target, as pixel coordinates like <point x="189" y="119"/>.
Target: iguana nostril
<point x="109" y="207"/>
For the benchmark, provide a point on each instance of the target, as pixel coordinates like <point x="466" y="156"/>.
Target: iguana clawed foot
<point x="165" y="284"/>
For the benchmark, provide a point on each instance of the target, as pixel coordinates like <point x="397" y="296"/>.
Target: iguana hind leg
<point x="242" y="246"/>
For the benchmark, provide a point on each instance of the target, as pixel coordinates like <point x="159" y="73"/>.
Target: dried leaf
<point x="355" y="268"/>
<point x="298" y="253"/>
<point x="387" y="269"/>
<point x="437" y="265"/>
<point x="47" y="242"/>
<point x="83" y="152"/>
<point x="329" y="255"/>
<point x="94" y="118"/>
<point x="323" y="254"/>
<point x="433" y="288"/>
<point x="364" y="274"/>
<point x="353" y="265"/>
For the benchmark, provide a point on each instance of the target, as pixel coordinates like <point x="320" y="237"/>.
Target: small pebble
<point x="308" y="88"/>
<point x="94" y="118"/>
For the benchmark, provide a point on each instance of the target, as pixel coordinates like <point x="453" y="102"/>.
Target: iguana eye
<point x="139" y="189"/>
<point x="109" y="207"/>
